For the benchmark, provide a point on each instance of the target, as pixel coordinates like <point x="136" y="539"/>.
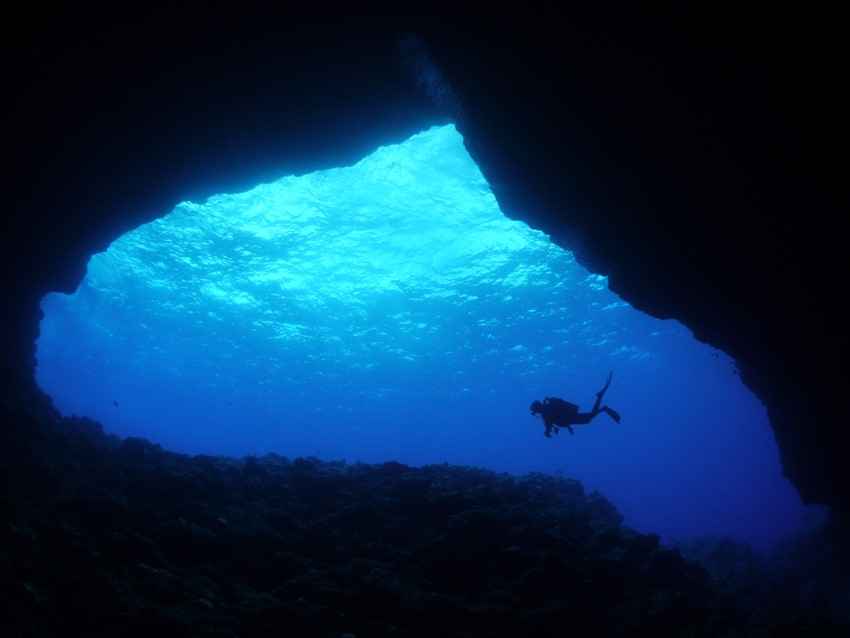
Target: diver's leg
<point x="601" y="393"/>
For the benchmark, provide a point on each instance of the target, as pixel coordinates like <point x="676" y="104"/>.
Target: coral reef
<point x="802" y="578"/>
<point x="103" y="536"/>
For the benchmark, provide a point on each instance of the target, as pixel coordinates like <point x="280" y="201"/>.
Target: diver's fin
<point x="612" y="413"/>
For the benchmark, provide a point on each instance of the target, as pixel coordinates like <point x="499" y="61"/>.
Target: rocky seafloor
<point x="103" y="536"/>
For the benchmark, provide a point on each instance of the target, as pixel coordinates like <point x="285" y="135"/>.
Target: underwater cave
<point x="389" y="310"/>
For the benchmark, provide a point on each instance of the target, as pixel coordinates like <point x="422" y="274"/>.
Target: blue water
<point x="389" y="310"/>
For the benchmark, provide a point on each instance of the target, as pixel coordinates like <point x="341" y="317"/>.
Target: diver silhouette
<point x="558" y="413"/>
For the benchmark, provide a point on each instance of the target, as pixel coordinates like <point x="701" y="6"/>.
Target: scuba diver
<point x="558" y="413"/>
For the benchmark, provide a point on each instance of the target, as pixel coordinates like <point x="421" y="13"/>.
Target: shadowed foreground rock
<point x="108" y="537"/>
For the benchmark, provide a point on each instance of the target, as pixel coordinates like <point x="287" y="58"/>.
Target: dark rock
<point x="628" y="120"/>
<point x="136" y="450"/>
<point x="509" y="556"/>
<point x="683" y="165"/>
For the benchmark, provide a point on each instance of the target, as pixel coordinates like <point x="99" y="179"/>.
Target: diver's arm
<point x="570" y="428"/>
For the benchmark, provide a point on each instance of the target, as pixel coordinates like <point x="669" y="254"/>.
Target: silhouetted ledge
<point x="103" y="537"/>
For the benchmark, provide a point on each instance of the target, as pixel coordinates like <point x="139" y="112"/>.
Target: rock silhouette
<point x="104" y="536"/>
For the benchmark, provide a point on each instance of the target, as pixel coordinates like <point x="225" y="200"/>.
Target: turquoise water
<point x="389" y="310"/>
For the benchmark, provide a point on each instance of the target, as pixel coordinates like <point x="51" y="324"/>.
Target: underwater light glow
<point x="365" y="278"/>
<point x="389" y="310"/>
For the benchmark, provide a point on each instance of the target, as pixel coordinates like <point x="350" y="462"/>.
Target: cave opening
<point x="389" y="310"/>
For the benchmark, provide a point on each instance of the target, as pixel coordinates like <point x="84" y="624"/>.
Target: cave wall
<point x="682" y="155"/>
